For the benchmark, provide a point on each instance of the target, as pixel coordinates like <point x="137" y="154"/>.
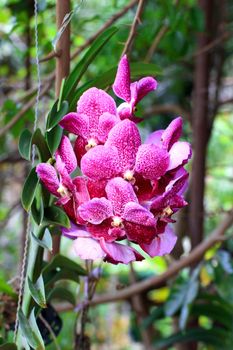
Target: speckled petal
<point x="141" y="88"/>
<point x="93" y="103"/>
<point x="88" y="248"/>
<point x="139" y="233"/>
<point x="96" y="210"/>
<point x="79" y="148"/>
<point x="179" y="153"/>
<point x="106" y="122"/>
<point x="48" y="176"/>
<point x="126" y="138"/>
<point x="66" y="152"/>
<point x="64" y="175"/>
<point x="101" y="163"/>
<point x="172" y="133"/>
<point x="121" y="86"/>
<point x="118" y="253"/>
<point x="161" y="244"/>
<point x="151" y="161"/>
<point x="75" y="123"/>
<point x="120" y="192"/>
<point x="178" y="185"/>
<point x="134" y="212"/>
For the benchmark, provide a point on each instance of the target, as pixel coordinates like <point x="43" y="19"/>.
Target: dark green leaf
<point x="60" y="261"/>
<point x="37" y="208"/>
<point x="46" y="242"/>
<point x="55" y="216"/>
<point x="156" y="314"/>
<point x="29" y="189"/>
<point x="39" y="140"/>
<point x="53" y="138"/>
<point x="37" y="291"/>
<point x="7" y="289"/>
<point x="25" y="143"/>
<point x="60" y="274"/>
<point x="30" y="331"/>
<point x="55" y="115"/>
<point x="62" y="294"/>
<point x="82" y="66"/>
<point x="216" y="313"/>
<point x="8" y="346"/>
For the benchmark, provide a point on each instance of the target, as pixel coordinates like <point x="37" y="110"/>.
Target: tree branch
<point x="132" y="33"/>
<point x="194" y="257"/>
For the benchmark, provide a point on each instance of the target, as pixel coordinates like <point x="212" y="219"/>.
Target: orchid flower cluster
<point x="128" y="190"/>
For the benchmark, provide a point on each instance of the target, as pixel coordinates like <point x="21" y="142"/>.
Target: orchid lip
<point x="91" y="143"/>
<point x="128" y="176"/>
<point x="167" y="212"/>
<point x="63" y="191"/>
<point x="117" y="222"/>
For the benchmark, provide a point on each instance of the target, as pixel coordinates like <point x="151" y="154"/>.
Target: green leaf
<point x="58" y="275"/>
<point x="217" y="313"/>
<point x="106" y="79"/>
<point x="25" y="143"/>
<point x="56" y="115"/>
<point x="37" y="208"/>
<point x="30" y="331"/>
<point x="53" y="138"/>
<point x="46" y="242"/>
<point x="62" y="294"/>
<point x="176" y="297"/>
<point x="217" y="337"/>
<point x="29" y="189"/>
<point x="34" y="326"/>
<point x="157" y="313"/>
<point x="81" y="67"/>
<point x="39" y="140"/>
<point x="8" y="346"/>
<point x="60" y="261"/>
<point x="37" y="291"/>
<point x="55" y="216"/>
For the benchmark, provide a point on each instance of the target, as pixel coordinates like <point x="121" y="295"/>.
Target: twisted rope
<point x="28" y="229"/>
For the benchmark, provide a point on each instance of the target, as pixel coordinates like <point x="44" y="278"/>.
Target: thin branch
<point x="163" y="30"/>
<point x="213" y="44"/>
<point x="194" y="257"/>
<point x="47" y="325"/>
<point x="132" y="33"/>
<point x="167" y="108"/>
<point x="25" y="108"/>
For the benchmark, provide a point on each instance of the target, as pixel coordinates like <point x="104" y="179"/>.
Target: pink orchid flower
<point x="95" y="117"/>
<point x="70" y="192"/>
<point x="124" y="155"/>
<point x="88" y="247"/>
<point x="119" y="215"/>
<point x="131" y="93"/>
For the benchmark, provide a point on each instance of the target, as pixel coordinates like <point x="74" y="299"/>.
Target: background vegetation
<point x="190" y="45"/>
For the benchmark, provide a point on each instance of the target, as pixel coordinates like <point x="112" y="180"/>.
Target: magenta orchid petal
<point x="106" y="122"/>
<point x="120" y="192"/>
<point x="81" y="190"/>
<point x="155" y="137"/>
<point x="75" y="123"/>
<point x="121" y="85"/>
<point x="48" y="176"/>
<point x="178" y="185"/>
<point x="96" y="210"/>
<point x="151" y="161"/>
<point x="137" y="214"/>
<point x="79" y="148"/>
<point x="74" y="231"/>
<point x="141" y="88"/>
<point x="179" y="153"/>
<point x="65" y="178"/>
<point x="172" y="133"/>
<point x="139" y="233"/>
<point x="162" y="244"/>
<point x="126" y="138"/>
<point x="101" y="163"/>
<point x="118" y="253"/>
<point x="66" y="152"/>
<point x="93" y="103"/>
<point x="88" y="248"/>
